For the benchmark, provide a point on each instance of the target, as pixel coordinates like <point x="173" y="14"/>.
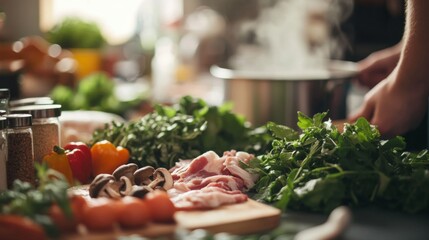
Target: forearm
<point x="413" y="67"/>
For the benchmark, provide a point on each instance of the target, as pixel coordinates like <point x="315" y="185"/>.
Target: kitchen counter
<point x="366" y="224"/>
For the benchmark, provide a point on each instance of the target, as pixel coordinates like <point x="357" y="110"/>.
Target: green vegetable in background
<point x="320" y="168"/>
<point x="96" y="88"/>
<point x="63" y="95"/>
<point x="94" y="92"/>
<point x="184" y="131"/>
<point x="74" y="32"/>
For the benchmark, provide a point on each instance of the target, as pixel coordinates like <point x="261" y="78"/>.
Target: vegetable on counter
<point x="20" y="228"/>
<point x="129" y="180"/>
<point x="67" y="221"/>
<point x="34" y="203"/>
<point x="321" y="168"/>
<point x="59" y="161"/>
<point x="106" y="157"/>
<point x="74" y="162"/>
<point x="184" y="131"/>
<point x="81" y="164"/>
<point x="161" y="207"/>
<point x="50" y="210"/>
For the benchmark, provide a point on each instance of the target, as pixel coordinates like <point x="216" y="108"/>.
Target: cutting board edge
<point x="252" y="226"/>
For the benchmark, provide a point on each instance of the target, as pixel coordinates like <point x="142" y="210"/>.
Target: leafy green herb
<point x="184" y="131"/>
<point x="320" y="168"/>
<point x="34" y="202"/>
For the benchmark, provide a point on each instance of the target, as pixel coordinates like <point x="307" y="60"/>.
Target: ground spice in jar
<point x="20" y="164"/>
<point x="45" y="138"/>
<point x="45" y="126"/>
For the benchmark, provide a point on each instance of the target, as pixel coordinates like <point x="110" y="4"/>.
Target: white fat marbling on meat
<point x="210" y="181"/>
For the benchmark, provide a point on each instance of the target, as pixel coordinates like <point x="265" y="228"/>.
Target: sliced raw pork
<point x="209" y="181"/>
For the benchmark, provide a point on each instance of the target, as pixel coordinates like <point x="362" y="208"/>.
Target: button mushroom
<point x="126" y="187"/>
<point x="101" y="186"/>
<point x="163" y="178"/>
<point x="140" y="191"/>
<point x="126" y="170"/>
<point x="143" y="175"/>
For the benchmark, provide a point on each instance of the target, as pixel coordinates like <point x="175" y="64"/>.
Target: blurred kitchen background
<point x="123" y="56"/>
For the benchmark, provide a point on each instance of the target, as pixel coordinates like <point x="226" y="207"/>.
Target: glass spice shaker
<point x="3" y="153"/>
<point x="20" y="163"/>
<point x="45" y="126"/>
<point x="4" y="99"/>
<point x="30" y="101"/>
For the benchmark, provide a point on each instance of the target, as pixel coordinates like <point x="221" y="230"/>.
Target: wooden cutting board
<point x="242" y="218"/>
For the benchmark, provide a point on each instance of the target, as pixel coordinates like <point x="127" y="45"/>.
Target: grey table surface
<point x="368" y="224"/>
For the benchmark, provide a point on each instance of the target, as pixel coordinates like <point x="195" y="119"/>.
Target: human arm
<point x="398" y="104"/>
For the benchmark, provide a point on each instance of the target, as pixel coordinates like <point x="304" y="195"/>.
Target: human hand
<point x="378" y="66"/>
<point x="393" y="108"/>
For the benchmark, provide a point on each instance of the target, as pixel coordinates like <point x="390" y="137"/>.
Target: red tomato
<point x="64" y="223"/>
<point x="161" y="207"/>
<point x="60" y="220"/>
<point x="132" y="212"/>
<point x="78" y="205"/>
<point x="99" y="215"/>
<point x="18" y="227"/>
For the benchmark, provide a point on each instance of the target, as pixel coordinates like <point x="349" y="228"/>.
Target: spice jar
<point x="46" y="127"/>
<point x="30" y="101"/>
<point x="20" y="162"/>
<point x="4" y="99"/>
<point x="3" y="153"/>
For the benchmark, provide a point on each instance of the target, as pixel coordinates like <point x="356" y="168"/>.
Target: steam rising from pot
<point x="292" y="35"/>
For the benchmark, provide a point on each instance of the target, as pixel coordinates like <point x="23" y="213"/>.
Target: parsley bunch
<point x="184" y="131"/>
<point x="320" y="168"/>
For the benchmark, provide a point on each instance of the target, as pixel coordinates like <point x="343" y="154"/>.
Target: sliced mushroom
<point x="140" y="191"/>
<point x="127" y="187"/>
<point x="98" y="184"/>
<point x="163" y="178"/>
<point x="111" y="190"/>
<point x="143" y="175"/>
<point x="126" y="170"/>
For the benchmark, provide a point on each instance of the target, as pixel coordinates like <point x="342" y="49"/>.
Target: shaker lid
<point x="18" y="120"/>
<point x="4" y="93"/>
<point x="39" y="111"/>
<point x="31" y="101"/>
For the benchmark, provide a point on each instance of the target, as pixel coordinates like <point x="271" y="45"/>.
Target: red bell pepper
<point x="79" y="155"/>
<point x="77" y="160"/>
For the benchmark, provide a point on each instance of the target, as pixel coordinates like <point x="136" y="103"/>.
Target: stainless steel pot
<point x="278" y="96"/>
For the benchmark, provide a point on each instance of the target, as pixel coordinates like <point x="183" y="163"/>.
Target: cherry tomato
<point x="68" y="223"/>
<point x="78" y="205"/>
<point x="161" y="207"/>
<point x="132" y="212"/>
<point x="99" y="215"/>
<point x="64" y="223"/>
<point x="18" y="227"/>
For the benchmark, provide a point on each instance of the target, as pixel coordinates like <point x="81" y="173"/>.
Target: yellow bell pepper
<point x="58" y="161"/>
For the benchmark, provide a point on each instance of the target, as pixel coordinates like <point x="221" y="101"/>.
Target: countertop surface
<point x="367" y="224"/>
